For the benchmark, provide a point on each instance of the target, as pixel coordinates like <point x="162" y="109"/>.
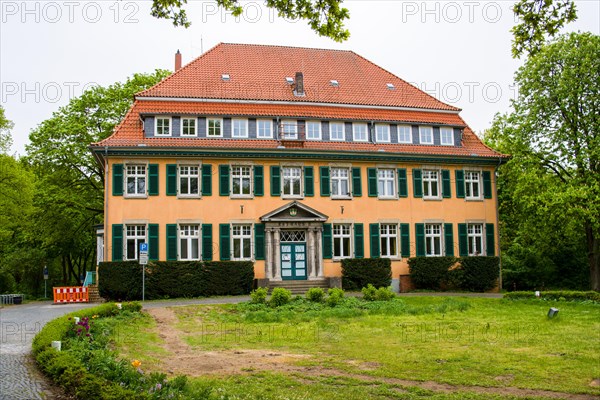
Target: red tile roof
<point x="258" y="73"/>
<point x="257" y="80"/>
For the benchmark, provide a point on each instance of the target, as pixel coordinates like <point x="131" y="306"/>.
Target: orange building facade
<point x="295" y="159"/>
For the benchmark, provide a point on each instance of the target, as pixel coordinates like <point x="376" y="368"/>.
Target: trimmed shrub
<point x="334" y="297"/>
<point x="557" y="295"/>
<point x="280" y="297"/>
<point x="259" y="296"/>
<point x="384" y="294"/>
<point x="476" y="274"/>
<point x="316" y="295"/>
<point x="359" y="272"/>
<point x="164" y="279"/>
<point x="369" y="292"/>
<point x="430" y="272"/>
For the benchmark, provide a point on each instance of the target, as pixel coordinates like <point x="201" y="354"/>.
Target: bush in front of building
<point x="360" y="272"/>
<point x="280" y="297"/>
<point x="316" y="295"/>
<point x="556" y="295"/>
<point x="476" y="274"/>
<point x="122" y="280"/>
<point x="259" y="295"/>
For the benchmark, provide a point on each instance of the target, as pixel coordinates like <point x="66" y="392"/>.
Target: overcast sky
<point x="458" y="51"/>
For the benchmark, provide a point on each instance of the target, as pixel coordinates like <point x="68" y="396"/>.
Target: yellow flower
<point x="94" y="316"/>
<point x="136" y="363"/>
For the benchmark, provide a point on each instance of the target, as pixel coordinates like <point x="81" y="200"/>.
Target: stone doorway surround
<point x="299" y="217"/>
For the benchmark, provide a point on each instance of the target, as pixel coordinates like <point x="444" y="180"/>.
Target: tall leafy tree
<point x="325" y="17"/>
<point x="553" y="134"/>
<point x="69" y="195"/>
<point x="5" y="136"/>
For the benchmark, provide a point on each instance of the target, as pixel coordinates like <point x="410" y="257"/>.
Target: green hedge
<point x="560" y="295"/>
<point x="360" y="272"/>
<point x="166" y="279"/>
<point x="476" y="274"/>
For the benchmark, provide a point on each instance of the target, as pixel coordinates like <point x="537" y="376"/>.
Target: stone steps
<point x="300" y="287"/>
<point x="94" y="294"/>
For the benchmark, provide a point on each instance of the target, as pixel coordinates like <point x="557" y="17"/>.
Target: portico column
<point x="312" y="259"/>
<point x="277" y="261"/>
<point x="319" y="251"/>
<point x="269" y="258"/>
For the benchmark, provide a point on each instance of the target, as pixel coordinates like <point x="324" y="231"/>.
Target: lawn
<point x="443" y="348"/>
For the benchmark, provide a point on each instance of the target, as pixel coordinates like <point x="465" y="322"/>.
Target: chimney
<point x="177" y="61"/>
<point x="299" y="89"/>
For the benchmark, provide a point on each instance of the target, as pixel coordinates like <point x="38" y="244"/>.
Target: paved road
<point x="18" y="326"/>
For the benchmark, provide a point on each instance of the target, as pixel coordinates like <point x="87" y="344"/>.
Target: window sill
<point x="241" y="197"/>
<point x="341" y="197"/>
<point x="189" y="196"/>
<point x="432" y="198"/>
<point x="136" y="196"/>
<point x="473" y="198"/>
<point x="292" y="197"/>
<point x="387" y="198"/>
<point x="392" y="258"/>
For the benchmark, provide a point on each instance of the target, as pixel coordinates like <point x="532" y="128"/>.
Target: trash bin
<point x="18" y="299"/>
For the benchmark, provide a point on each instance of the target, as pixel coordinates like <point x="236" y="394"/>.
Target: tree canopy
<point x="325" y="17"/>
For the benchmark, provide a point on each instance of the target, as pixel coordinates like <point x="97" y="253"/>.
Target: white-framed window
<point x="340" y="182"/>
<point x="188" y="127"/>
<point x="188" y="180"/>
<point x="134" y="236"/>
<point x="425" y="135"/>
<point x="388" y="237"/>
<point x="189" y="242"/>
<point x="241" y="242"/>
<point x="289" y="129"/>
<point x="239" y="128"/>
<point x="433" y="240"/>
<point x="446" y="136"/>
<point x="404" y="134"/>
<point x="342" y="241"/>
<point x="313" y="130"/>
<point x="336" y="131"/>
<point x="214" y="127"/>
<point x="431" y="184"/>
<point x="386" y="183"/>
<point x="360" y="132"/>
<point x="264" y="129"/>
<point x="162" y="126"/>
<point x="135" y="180"/>
<point x="382" y="133"/>
<point x="475" y="239"/>
<point x="291" y="178"/>
<point x="473" y="185"/>
<point x="241" y="180"/>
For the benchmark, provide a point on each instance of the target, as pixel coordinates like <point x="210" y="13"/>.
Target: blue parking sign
<point x="143" y="247"/>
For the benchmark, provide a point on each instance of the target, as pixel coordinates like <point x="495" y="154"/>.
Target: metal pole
<point x="143" y="283"/>
<point x="45" y="296"/>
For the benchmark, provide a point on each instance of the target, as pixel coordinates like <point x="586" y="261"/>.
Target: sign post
<point x="143" y="262"/>
<point x="45" y="280"/>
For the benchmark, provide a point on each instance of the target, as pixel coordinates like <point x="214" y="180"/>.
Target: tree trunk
<point x="593" y="247"/>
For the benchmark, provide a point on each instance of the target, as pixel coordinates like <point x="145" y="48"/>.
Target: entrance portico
<point x="294" y="249"/>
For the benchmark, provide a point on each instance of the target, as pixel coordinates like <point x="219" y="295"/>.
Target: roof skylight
<point x="289" y="80"/>
<point x="334" y="83"/>
<point x="225" y="77"/>
<point x="391" y="86"/>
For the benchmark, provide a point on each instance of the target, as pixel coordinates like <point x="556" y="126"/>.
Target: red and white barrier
<point x="74" y="294"/>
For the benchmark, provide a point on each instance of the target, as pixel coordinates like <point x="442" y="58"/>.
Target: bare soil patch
<point x="185" y="360"/>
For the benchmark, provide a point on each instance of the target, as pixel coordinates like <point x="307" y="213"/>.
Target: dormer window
<point x="162" y="126"/>
<point x="360" y="132"/>
<point x="425" y="135"/>
<point x="188" y="126"/>
<point x="446" y="136"/>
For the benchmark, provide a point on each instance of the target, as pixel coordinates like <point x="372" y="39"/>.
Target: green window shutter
<point x="153" y="180"/>
<point x="326" y="242"/>
<point x="356" y="182"/>
<point x="171" y="179"/>
<point x="224" y="180"/>
<point x="405" y="240"/>
<point x="206" y="180"/>
<point x="117" y="182"/>
<point x="372" y="181"/>
<point x="275" y="181"/>
<point x="207" y="243"/>
<point x="171" y="242"/>
<point x="420" y="239"/>
<point x="417" y="183"/>
<point x="402" y="183"/>
<point x="153" y="244"/>
<point x="446" y="186"/>
<point x="463" y="244"/>
<point x="117" y="242"/>
<point x="224" y="243"/>
<point x="448" y="239"/>
<point x="259" y="186"/>
<point x="487" y="184"/>
<point x="459" y="174"/>
<point x="309" y="182"/>
<point x="490" y="240"/>
<point x="324" y="178"/>
<point x="359" y="241"/>
<point x="259" y="241"/>
<point x="375" y="244"/>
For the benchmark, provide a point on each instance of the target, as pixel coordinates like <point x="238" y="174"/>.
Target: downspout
<point x="498" y="219"/>
<point x="106" y="173"/>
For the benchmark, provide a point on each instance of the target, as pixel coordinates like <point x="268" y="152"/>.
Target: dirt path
<point x="185" y="360"/>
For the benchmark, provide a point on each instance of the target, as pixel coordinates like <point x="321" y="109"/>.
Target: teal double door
<point x="293" y="261"/>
